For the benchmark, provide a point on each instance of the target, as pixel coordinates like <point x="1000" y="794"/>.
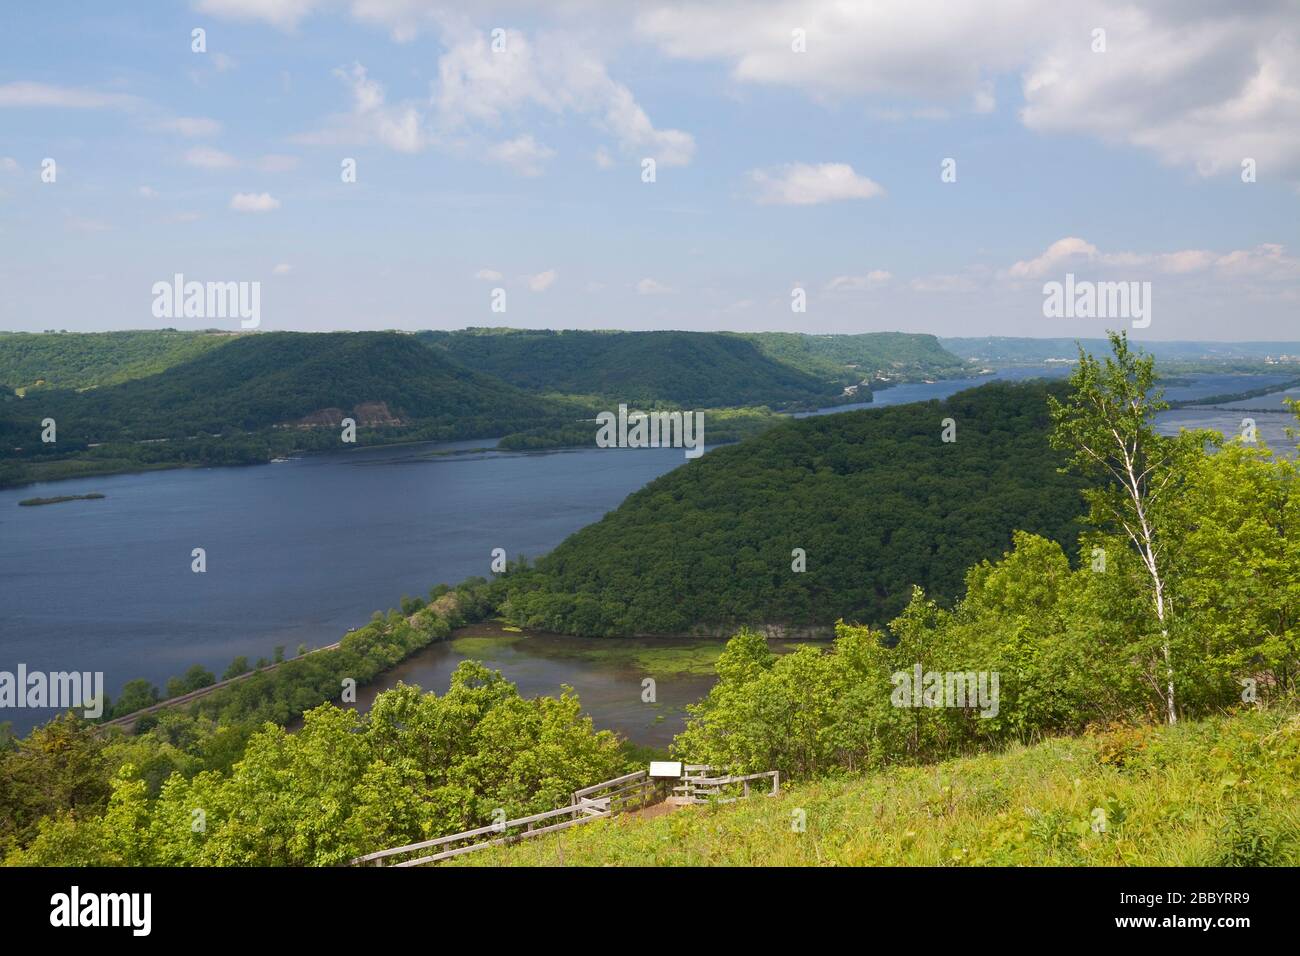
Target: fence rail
<point x="704" y="789"/>
<point x="628" y="792"/>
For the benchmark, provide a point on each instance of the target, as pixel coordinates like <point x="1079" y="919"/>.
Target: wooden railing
<point x="590" y="803"/>
<point x="698" y="787"/>
<point x="628" y="792"/>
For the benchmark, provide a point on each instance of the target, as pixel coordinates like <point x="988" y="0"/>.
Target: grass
<point x="1216" y="792"/>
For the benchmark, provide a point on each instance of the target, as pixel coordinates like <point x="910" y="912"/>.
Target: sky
<point x="795" y="146"/>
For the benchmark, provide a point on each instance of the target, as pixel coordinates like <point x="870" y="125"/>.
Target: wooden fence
<point x="596" y="802"/>
<point x="698" y="787"/>
<point x="628" y="792"/>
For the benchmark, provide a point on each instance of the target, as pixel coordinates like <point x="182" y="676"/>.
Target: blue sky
<point x="521" y="169"/>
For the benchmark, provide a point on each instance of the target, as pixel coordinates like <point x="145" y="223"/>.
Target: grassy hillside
<point x="700" y="369"/>
<point x="875" y="498"/>
<point x="870" y="356"/>
<point x="95" y="359"/>
<point x="1217" y="792"/>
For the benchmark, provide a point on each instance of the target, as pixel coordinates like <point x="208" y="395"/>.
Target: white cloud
<point x="282" y="269"/>
<point x="285" y="14"/>
<point x="8" y="164"/>
<point x="603" y="159"/>
<point x="254" y="202"/>
<point x="1197" y="84"/>
<point x="543" y="280"/>
<point x="490" y="274"/>
<point x="147" y="192"/>
<point x="523" y="154"/>
<point x="803" y="184"/>
<point x="872" y="280"/>
<point x="1267" y="261"/>
<point x="37" y="95"/>
<point x="554" y="73"/>
<point x="205" y="157"/>
<point x="400" y="127"/>
<point x="651" y="287"/>
<point x="1056" y="255"/>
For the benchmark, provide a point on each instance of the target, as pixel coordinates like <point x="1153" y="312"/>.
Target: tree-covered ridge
<point x="868" y="356"/>
<point x="240" y="404"/>
<point x="95" y="359"/>
<point x="690" y="369"/>
<point x="278" y="378"/>
<point x="875" y="498"/>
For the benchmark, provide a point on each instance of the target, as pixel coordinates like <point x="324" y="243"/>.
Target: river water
<point x="301" y="551"/>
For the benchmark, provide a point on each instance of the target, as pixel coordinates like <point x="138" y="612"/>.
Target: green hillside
<point x="279" y="377"/>
<point x="236" y="404"/>
<point x="870" y="356"/>
<point x="690" y="369"/>
<point x="875" y="498"/>
<point x="95" y="359"/>
<point x="1220" y="792"/>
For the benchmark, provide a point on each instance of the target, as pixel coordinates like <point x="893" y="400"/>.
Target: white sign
<point x="666" y="768"/>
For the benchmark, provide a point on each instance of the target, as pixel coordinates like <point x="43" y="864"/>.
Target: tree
<point x="238" y="666"/>
<point x="1106" y="423"/>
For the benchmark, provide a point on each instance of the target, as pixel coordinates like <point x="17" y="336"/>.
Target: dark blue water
<point x="298" y="551"/>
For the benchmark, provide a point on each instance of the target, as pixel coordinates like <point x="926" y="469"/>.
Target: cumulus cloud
<point x="253" y="202"/>
<point x="1198" y="85"/>
<point x="804" y="184"/>
<point x="555" y="74"/>
<point x="400" y="127"/>
<point x="282" y="269"/>
<point x="489" y="274"/>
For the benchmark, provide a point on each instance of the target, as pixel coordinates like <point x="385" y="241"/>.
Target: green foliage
<point x="31" y="360"/>
<point x="418" y="765"/>
<point x="870" y="356"/>
<point x="257" y="397"/>
<point x="875" y="498"/>
<point x="685" y="369"/>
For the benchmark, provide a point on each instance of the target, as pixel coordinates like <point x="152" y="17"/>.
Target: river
<point x="301" y="551"/>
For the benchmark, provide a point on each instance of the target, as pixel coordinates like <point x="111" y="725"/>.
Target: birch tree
<point x="1106" y="425"/>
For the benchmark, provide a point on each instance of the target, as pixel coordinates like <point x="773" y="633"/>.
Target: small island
<point x="55" y="500"/>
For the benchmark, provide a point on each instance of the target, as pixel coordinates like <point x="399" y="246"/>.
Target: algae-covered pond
<point x="606" y="673"/>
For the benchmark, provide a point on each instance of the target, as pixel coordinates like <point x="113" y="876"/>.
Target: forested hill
<point x="689" y="369"/>
<point x="874" y="497"/>
<point x="259" y="381"/>
<point x="92" y="359"/>
<point x="869" y="356"/>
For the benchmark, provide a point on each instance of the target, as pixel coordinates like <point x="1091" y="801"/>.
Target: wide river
<point x="301" y="551"/>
